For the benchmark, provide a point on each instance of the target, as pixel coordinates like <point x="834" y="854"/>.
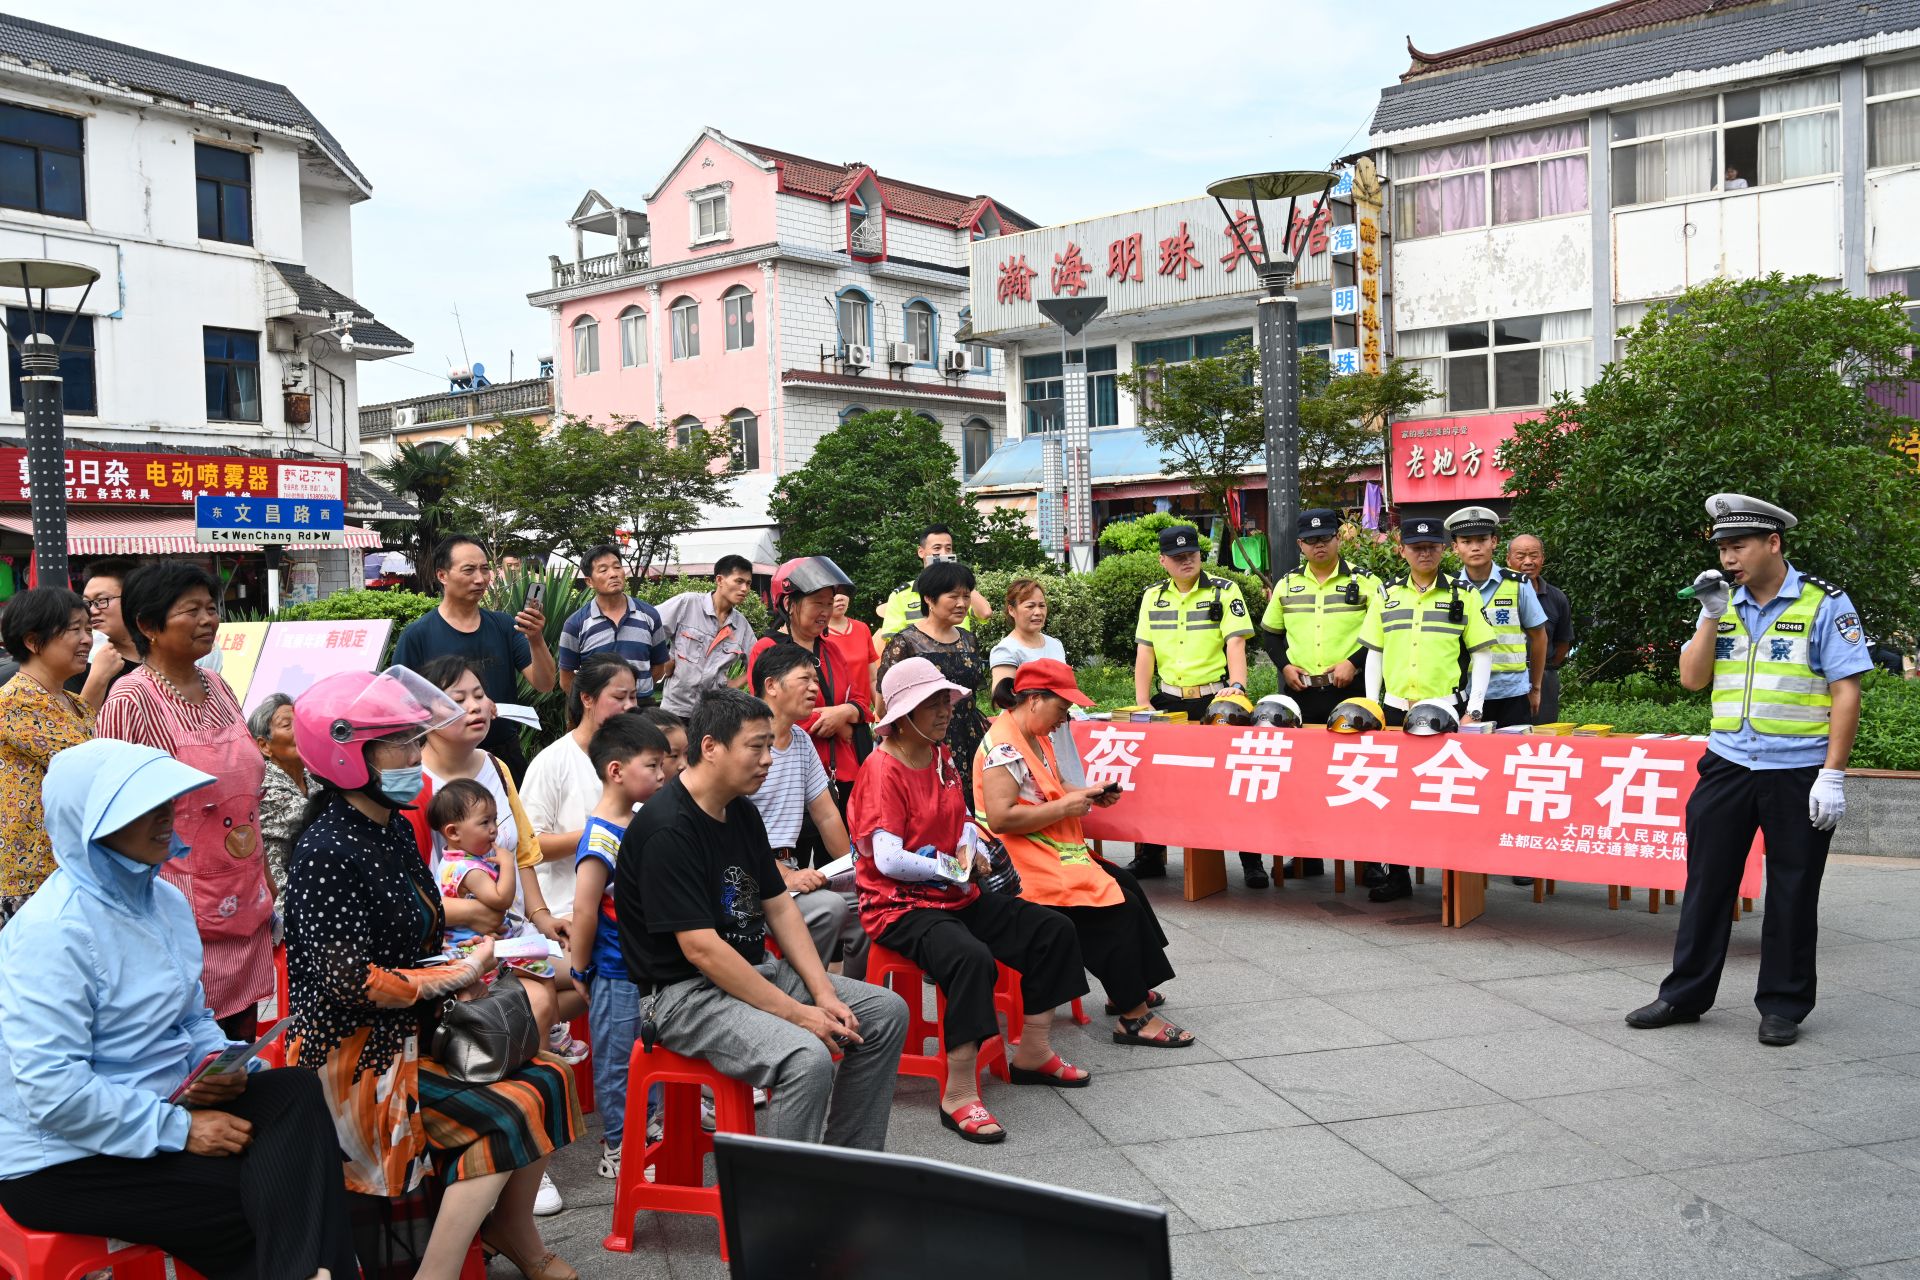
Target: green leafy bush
<point x="657" y="591"/>
<point x="1119" y="582"/>
<point x="1142" y="533"/>
<point x="1073" y="611"/>
<point x="402" y="606"/>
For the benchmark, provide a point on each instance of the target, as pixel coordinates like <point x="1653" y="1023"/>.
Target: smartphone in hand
<point x="537" y="592"/>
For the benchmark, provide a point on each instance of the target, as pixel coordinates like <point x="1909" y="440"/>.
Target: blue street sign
<point x="269" y="520"/>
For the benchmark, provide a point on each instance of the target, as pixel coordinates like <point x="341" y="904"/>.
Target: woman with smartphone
<point x="1027" y="803"/>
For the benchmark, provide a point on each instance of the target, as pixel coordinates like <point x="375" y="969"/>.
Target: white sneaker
<point x="609" y="1162"/>
<point x="656" y="1127"/>
<point x="548" y="1202"/>
<point x="572" y="1052"/>
<point x="708" y="1119"/>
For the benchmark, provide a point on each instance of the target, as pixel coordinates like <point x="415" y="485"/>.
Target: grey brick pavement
<point x="1376" y="1096"/>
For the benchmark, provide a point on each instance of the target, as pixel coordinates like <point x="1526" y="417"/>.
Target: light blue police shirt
<point x="1508" y="684"/>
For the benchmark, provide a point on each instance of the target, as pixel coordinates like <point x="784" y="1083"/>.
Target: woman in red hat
<point x="1037" y="815"/>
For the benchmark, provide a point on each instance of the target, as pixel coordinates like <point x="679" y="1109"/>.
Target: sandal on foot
<point x="970" y="1120"/>
<point x="1154" y="1000"/>
<point x="1055" y="1072"/>
<point x="1168" y="1037"/>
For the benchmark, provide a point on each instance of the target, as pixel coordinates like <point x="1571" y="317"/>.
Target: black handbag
<point x="1002" y="875"/>
<point x="484" y="1041"/>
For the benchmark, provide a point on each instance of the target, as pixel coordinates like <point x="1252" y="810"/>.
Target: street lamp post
<point x="43" y="401"/>
<point x="1278" y="328"/>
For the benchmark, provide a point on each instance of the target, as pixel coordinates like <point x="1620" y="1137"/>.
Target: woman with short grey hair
<point x="283" y="796"/>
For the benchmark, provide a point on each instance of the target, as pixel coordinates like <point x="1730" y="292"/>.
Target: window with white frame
<point x="683" y="429"/>
<point x="710" y="215"/>
<point x="855" y="312"/>
<point x="1754" y="137"/>
<point x="1628" y="315"/>
<point x="980" y="357"/>
<point x="1516" y="363"/>
<point x="1893" y="114"/>
<point x="920" y="331"/>
<point x="1043" y="388"/>
<point x="586" y="345"/>
<point x="1906" y="283"/>
<point x="633" y="338"/>
<point x="737" y="304"/>
<point x="743" y="440"/>
<point x="1508" y="177"/>
<point x="685" y="314"/>
<point x="976" y="445"/>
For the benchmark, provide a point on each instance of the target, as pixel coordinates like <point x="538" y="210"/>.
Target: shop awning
<point x="107" y="532"/>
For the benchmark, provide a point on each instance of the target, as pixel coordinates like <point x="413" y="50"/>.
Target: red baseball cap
<point x="1050" y="676"/>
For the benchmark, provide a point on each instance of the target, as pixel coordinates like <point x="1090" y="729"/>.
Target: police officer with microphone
<point x="1783" y="652"/>
<point x="1311" y="628"/>
<point x="1191" y="645"/>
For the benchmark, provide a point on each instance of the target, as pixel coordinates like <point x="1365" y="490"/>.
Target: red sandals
<point x="969" y="1121"/>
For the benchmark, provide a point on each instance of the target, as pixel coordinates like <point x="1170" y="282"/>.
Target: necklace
<point x="178" y="692"/>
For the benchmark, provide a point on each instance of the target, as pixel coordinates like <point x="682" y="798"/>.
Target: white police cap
<point x="1735" y="515"/>
<point x="1471" y="522"/>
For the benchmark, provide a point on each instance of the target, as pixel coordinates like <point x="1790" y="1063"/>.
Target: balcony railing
<point x="511" y="399"/>
<point x="605" y="267"/>
<point x="866" y="237"/>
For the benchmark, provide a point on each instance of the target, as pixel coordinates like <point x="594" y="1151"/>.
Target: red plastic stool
<point x="473" y="1268"/>
<point x="50" y="1255"/>
<point x="583" y="1069"/>
<point x="1006" y="999"/>
<point x="275" y="1054"/>
<point x="679" y="1175"/>
<point x="884" y="964"/>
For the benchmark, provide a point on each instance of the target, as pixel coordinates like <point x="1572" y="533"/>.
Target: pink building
<point x="771" y="296"/>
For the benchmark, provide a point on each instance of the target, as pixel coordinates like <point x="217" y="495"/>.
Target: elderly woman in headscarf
<point x="103" y="1020"/>
<point x="283" y="796"/>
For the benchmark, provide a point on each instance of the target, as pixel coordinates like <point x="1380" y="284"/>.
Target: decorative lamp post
<point x="42" y="397"/>
<point x="1278" y="330"/>
<point x="1075" y="533"/>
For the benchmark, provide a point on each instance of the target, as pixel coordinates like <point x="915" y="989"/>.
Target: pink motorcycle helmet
<point x="335" y="719"/>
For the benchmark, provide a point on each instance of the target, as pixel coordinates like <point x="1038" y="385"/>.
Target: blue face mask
<point x="401" y="785"/>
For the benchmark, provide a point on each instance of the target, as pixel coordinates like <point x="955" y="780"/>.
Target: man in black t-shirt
<point x="500" y="645"/>
<point x="696" y="892"/>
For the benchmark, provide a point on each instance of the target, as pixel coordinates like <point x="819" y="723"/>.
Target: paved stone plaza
<point x="1374" y="1096"/>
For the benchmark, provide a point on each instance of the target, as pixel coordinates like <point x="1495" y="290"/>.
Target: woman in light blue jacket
<point x="102" y="1017"/>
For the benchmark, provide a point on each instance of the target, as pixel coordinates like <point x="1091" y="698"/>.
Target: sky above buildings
<point x="481" y="124"/>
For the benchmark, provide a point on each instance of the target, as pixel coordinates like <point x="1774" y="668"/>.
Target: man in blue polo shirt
<point x="614" y="620"/>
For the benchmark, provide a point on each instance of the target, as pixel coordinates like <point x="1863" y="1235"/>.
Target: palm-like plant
<point x="428" y="474"/>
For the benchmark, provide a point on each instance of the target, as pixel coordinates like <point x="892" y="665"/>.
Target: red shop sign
<point x="143" y="479"/>
<point x="1589" y="810"/>
<point x="1451" y="459"/>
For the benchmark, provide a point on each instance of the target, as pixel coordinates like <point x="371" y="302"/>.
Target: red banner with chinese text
<point x="1589" y="810"/>
<point x="143" y="479"/>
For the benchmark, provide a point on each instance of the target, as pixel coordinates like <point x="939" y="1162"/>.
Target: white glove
<point x="1828" y="799"/>
<point x="1713" y="593"/>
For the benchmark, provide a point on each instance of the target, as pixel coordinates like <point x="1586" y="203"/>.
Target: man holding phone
<point x="615" y="620"/>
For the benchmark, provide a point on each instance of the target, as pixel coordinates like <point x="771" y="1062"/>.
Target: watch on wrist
<point x="583" y="975"/>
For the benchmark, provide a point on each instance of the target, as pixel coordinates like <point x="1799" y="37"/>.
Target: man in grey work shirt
<point x="709" y="635"/>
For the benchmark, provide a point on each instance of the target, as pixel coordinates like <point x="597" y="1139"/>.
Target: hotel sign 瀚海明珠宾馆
<point x="1142" y="260"/>
<point x="176" y="479"/>
<point x="278" y="521"/>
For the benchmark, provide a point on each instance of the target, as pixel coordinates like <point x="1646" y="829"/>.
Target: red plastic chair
<point x="677" y="1160"/>
<point x="50" y="1255"/>
<point x="1006" y="999"/>
<point x="275" y="1054"/>
<point x="583" y="1069"/>
<point x="886" y="967"/>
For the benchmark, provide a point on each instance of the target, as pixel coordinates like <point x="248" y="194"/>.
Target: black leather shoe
<point x="1649" y="1017"/>
<point x="1372" y="875"/>
<point x="1777" y="1032"/>
<point x="1300" y="868"/>
<point x="1392" y="889"/>
<point x="1523" y="880"/>
<point x="1148" y="868"/>
<point x="1257" y="879"/>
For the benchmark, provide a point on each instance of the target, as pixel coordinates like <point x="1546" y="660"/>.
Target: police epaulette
<point x="1823" y="584"/>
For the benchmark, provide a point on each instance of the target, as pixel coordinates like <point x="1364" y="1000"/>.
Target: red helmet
<point x="335" y="719"/>
<point x="805" y="575"/>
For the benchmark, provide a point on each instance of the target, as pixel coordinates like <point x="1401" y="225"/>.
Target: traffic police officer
<point x="1512" y="608"/>
<point x="1191" y="644"/>
<point x="1783" y="652"/>
<point x="1312" y="625"/>
<point x="1421" y="633"/>
<point x="905" y="607"/>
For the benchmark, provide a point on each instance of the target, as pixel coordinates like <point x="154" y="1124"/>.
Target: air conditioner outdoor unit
<point x="281" y="338"/>
<point x="900" y="353"/>
<point x="957" y="362"/>
<point x="859" y="357"/>
<point x="405" y="418"/>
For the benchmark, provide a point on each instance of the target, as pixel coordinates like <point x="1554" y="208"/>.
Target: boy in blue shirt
<point x="628" y="755"/>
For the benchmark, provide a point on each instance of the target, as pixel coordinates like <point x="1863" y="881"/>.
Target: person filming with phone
<point x="103" y="1024"/>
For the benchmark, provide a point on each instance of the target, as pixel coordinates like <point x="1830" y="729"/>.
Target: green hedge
<point x="1118" y="582"/>
<point x="1073" y="611"/>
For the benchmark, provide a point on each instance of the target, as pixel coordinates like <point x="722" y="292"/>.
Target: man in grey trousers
<point x="698" y="892"/>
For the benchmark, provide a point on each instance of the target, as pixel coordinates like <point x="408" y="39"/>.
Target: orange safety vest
<point x="1056" y="866"/>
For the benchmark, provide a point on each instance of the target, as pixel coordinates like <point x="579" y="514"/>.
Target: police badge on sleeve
<point x="1848" y="625"/>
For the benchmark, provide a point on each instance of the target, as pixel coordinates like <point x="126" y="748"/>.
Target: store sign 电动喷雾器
<point x="176" y="479"/>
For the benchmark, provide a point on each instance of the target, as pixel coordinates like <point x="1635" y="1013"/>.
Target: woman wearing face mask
<point x="907" y="812"/>
<point x="946" y="589"/>
<point x="362" y="910"/>
<point x="1036" y="813"/>
<point x="102" y="1018"/>
<point x="172" y="610"/>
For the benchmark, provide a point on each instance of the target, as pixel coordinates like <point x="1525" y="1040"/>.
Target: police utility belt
<point x="1192" y="690"/>
<point x="1322" y="681"/>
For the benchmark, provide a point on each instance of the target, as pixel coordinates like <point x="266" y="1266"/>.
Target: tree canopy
<point x="1775" y="388"/>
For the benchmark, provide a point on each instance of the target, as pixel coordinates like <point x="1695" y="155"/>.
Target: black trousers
<point x="278" y="1211"/>
<point x="808" y="850"/>
<point x="959" y="949"/>
<point x="1196" y="709"/>
<point x="1502" y="711"/>
<point x="1317" y="704"/>
<point x="1123" y="945"/>
<point x="1730" y="803"/>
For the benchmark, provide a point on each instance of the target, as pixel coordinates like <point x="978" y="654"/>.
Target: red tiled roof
<point x="1608" y="20"/>
<point x="833" y="182"/>
<point x="889" y="386"/>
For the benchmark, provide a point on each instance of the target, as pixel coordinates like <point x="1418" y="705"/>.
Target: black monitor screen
<point x="795" y="1210"/>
